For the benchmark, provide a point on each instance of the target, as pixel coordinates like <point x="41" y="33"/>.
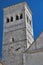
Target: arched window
<point x="12" y="39"/>
<point x="17" y="17"/>
<point x="27" y="19"/>
<point x="11" y="19"/>
<point x="7" y="20"/>
<point x="21" y="16"/>
<point x="30" y="22"/>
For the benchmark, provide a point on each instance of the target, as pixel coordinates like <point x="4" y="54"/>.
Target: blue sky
<point x="36" y="7"/>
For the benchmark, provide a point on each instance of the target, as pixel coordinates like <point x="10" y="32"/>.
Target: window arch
<point x="21" y="16"/>
<point x="11" y="19"/>
<point x="17" y="17"/>
<point x="28" y="20"/>
<point x="7" y="20"/>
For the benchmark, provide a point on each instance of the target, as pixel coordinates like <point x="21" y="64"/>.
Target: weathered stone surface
<point x="16" y="37"/>
<point x="34" y="58"/>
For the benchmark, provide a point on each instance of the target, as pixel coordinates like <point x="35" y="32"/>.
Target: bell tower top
<point x="18" y="5"/>
<point x="18" y="16"/>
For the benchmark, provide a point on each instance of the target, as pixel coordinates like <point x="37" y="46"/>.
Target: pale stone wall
<point x="34" y="59"/>
<point x="29" y="28"/>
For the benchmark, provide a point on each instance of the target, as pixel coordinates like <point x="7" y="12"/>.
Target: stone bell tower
<point x="17" y="33"/>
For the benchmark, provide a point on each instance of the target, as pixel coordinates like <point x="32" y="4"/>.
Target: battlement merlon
<point x="14" y="7"/>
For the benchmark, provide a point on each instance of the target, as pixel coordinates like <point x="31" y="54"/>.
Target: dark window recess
<point x="7" y="20"/>
<point x="21" y="16"/>
<point x="27" y="18"/>
<point x="12" y="39"/>
<point x="17" y="49"/>
<point x="11" y="19"/>
<point x="30" y="22"/>
<point x="17" y="17"/>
